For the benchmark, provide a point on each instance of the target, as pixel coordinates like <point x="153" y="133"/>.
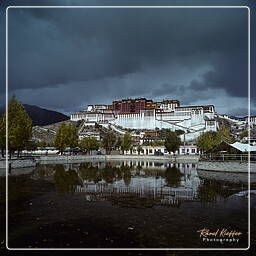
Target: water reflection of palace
<point x="143" y="164"/>
<point x="163" y="182"/>
<point x="128" y="183"/>
<point x="161" y="194"/>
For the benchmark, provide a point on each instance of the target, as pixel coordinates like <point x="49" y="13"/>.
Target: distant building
<point x="156" y="150"/>
<point x="142" y="113"/>
<point x="88" y="130"/>
<point x="251" y="120"/>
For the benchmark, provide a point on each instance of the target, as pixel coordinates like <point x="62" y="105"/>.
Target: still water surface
<point x="123" y="204"/>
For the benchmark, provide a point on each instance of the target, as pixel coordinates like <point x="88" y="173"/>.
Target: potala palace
<point x="142" y="113"/>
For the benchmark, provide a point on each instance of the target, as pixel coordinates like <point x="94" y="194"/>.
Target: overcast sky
<point x="64" y="59"/>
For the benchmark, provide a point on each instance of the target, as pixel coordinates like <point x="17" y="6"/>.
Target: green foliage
<point x="223" y="135"/>
<point x="66" y="136"/>
<point x="126" y="142"/>
<point x="109" y="141"/>
<point x="89" y="144"/>
<point x="243" y="134"/>
<point x="19" y="127"/>
<point x="2" y="134"/>
<point x="208" y="140"/>
<point x="31" y="145"/>
<point x="179" y="132"/>
<point x="119" y="142"/>
<point x="42" y="144"/>
<point x="172" y="141"/>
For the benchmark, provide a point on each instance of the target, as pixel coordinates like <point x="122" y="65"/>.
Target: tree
<point x="60" y="140"/>
<point x="119" y="142"/>
<point x="72" y="136"/>
<point x="223" y="135"/>
<point x="126" y="142"/>
<point x="19" y="126"/>
<point x="66" y="136"/>
<point x="179" y="132"/>
<point x="109" y="141"/>
<point x="2" y="135"/>
<point x="207" y="140"/>
<point x="89" y="144"/>
<point x="31" y="145"/>
<point x="172" y="141"/>
<point x="243" y="134"/>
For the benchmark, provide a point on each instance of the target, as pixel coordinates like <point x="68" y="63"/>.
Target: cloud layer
<point x="65" y="59"/>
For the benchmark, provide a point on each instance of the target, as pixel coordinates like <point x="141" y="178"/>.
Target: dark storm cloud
<point x="165" y="89"/>
<point x="49" y="47"/>
<point x="98" y="54"/>
<point x="197" y="85"/>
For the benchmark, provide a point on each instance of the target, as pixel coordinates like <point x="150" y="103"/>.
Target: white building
<point x="193" y="120"/>
<point x="251" y="120"/>
<point x="153" y="150"/>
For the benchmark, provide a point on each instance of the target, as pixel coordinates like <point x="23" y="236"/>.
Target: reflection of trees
<point x="45" y="171"/>
<point x="65" y="180"/>
<point x="109" y="174"/>
<point x="173" y="176"/>
<point x="210" y="190"/>
<point x="40" y="171"/>
<point x="126" y="175"/>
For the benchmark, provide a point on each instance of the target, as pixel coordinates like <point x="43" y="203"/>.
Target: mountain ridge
<point x="41" y="116"/>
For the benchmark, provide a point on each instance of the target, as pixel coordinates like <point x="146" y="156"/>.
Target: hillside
<point x="41" y="116"/>
<point x="47" y="133"/>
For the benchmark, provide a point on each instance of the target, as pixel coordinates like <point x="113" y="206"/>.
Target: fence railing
<point x="228" y="157"/>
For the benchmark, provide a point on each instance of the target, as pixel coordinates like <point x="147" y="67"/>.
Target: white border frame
<point x="120" y="249"/>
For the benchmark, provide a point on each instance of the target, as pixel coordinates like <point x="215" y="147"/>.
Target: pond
<point x="125" y="204"/>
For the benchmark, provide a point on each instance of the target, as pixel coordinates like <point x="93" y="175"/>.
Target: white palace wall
<point x="136" y="121"/>
<point x="192" y="122"/>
